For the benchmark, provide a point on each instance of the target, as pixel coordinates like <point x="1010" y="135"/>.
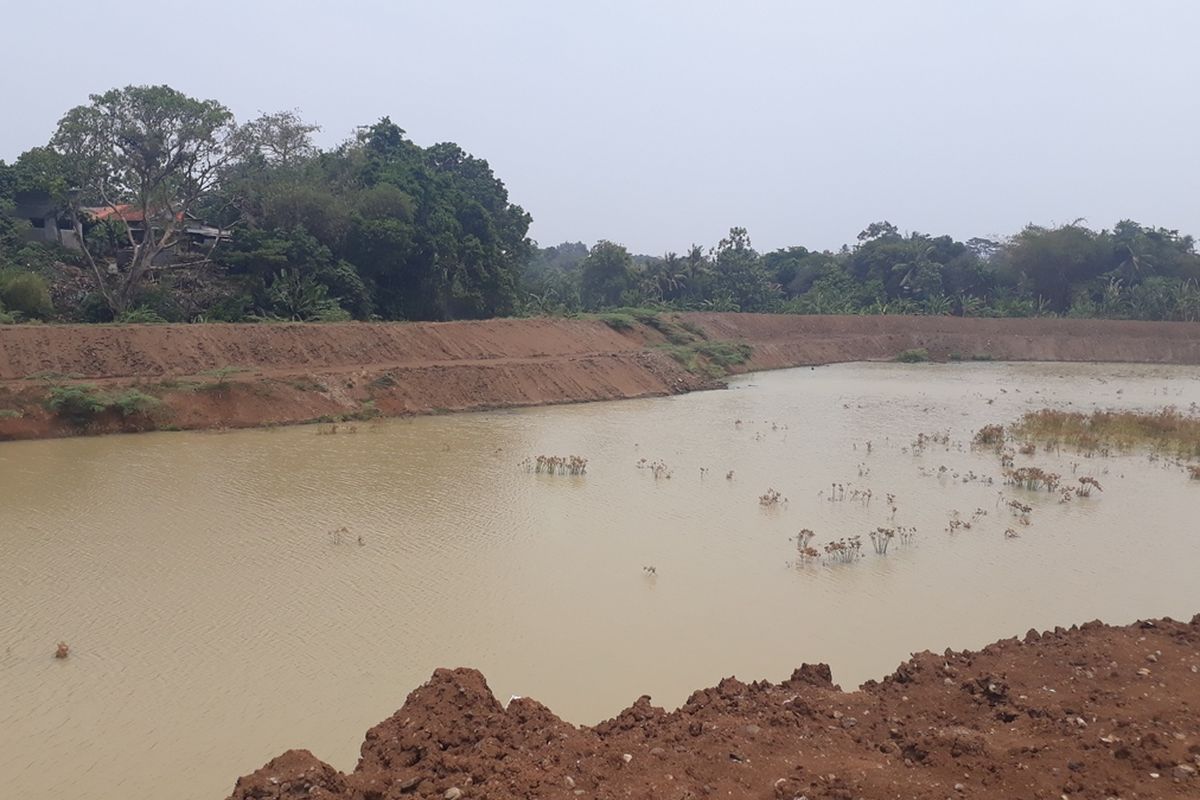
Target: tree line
<point x="149" y="205"/>
<point x="1129" y="272"/>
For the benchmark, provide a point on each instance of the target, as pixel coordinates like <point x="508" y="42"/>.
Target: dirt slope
<point x="216" y="376"/>
<point x="1093" y="712"/>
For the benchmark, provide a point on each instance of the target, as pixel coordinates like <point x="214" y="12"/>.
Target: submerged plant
<point x="881" y="538"/>
<point x="1032" y="478"/>
<point x="771" y="499"/>
<point x="1086" y="484"/>
<point x="844" y="551"/>
<point x="556" y="465"/>
<point x="989" y="436"/>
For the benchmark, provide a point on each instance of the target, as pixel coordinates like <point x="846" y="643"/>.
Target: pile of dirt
<point x="225" y="376"/>
<point x="1090" y="712"/>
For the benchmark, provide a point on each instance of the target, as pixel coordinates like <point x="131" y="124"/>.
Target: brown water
<point x="214" y="622"/>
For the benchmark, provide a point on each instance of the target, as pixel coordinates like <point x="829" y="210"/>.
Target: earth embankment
<point x="1090" y="712"/>
<point x="216" y="375"/>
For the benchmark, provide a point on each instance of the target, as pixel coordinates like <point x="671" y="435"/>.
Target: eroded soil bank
<point x="226" y="376"/>
<point x="1090" y="712"/>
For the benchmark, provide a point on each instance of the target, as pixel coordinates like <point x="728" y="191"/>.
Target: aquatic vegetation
<point x="63" y="650"/>
<point x="989" y="436"/>
<point x="1086" y="484"/>
<point x="658" y="469"/>
<point x="556" y="465"/>
<point x="1194" y="471"/>
<point x="844" y="551"/>
<point x="729" y="475"/>
<point x="881" y="538"/>
<point x="1009" y="533"/>
<point x="650" y="570"/>
<point x="771" y="498"/>
<point x="1032" y="478"/>
<point x="1168" y="429"/>
<point x="805" y="552"/>
<point x="925" y="440"/>
<point x="907" y="534"/>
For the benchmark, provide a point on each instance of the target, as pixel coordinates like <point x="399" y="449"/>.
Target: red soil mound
<point x="1093" y="712"/>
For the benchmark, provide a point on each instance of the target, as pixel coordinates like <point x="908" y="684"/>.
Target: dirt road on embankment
<point x="227" y="376"/>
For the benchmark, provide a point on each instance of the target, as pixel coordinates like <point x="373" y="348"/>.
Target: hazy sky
<point x="659" y="124"/>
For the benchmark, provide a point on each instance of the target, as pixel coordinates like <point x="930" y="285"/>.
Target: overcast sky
<point x="659" y="124"/>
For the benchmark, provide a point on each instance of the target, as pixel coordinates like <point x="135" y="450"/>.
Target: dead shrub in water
<point x="989" y="436"/>
<point x="1194" y="471"/>
<point x="881" y="538"/>
<point x="805" y="552"/>
<point x="1032" y="478"/>
<point x="844" y="551"/>
<point x="1086" y="484"/>
<point x="556" y="465"/>
<point x="658" y="469"/>
<point x="771" y="499"/>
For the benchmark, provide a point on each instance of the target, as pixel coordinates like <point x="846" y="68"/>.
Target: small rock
<point x="453" y="793"/>
<point x="1081" y="722"/>
<point x="1143" y="672"/>
<point x="849" y="722"/>
<point x="752" y="730"/>
<point x="1152" y="658"/>
<point x="958" y="787"/>
<point x="626" y="757"/>
<point x="569" y="782"/>
<point x="1184" y="772"/>
<point x="838" y="714"/>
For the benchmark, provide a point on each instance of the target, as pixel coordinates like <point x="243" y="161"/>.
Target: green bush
<point x="25" y="293"/>
<point x="77" y="403"/>
<point x="616" y="321"/>
<point x="140" y="315"/>
<point x="914" y="356"/>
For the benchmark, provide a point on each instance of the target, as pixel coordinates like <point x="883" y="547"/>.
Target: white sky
<point x="659" y="124"/>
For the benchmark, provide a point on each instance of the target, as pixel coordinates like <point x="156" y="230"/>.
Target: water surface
<point x="214" y="621"/>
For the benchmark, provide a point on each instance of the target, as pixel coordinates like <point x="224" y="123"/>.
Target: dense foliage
<point x="380" y="227"/>
<point x="1131" y="271"/>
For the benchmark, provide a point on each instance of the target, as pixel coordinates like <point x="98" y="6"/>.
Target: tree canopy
<point x="169" y="208"/>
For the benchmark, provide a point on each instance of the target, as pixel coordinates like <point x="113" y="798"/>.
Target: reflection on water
<point x="214" y="621"/>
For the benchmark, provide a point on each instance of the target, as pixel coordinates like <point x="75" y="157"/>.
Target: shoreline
<point x="222" y="376"/>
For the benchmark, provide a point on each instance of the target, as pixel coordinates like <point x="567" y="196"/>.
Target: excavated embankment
<point x="219" y="376"/>
<point x="1090" y="712"/>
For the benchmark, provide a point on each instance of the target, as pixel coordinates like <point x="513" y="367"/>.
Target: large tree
<point x="148" y="155"/>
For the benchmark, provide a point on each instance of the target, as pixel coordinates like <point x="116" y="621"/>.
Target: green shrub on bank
<point x="25" y="293"/>
<point x="913" y="356"/>
<point x="77" y="403"/>
<point x="80" y="403"/>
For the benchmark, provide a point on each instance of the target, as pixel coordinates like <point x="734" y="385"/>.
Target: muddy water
<point x="214" y="621"/>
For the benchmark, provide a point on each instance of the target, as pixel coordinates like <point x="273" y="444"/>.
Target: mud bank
<point x="227" y="376"/>
<point x="1090" y="712"/>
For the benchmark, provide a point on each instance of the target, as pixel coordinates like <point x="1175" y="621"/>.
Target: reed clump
<point x="1194" y="471"/>
<point x="1168" y="430"/>
<point x="805" y="552"/>
<point x="844" y="551"/>
<point x="556" y="465"/>
<point x="1032" y="478"/>
<point x="989" y="436"/>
